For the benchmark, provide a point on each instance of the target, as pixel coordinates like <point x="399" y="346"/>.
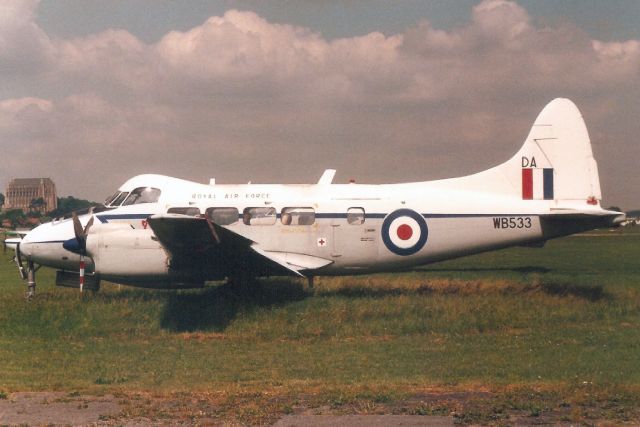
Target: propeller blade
<point x="82" y="232"/>
<point x="86" y="227"/>
<point x="77" y="226"/>
<point x="81" y="236"/>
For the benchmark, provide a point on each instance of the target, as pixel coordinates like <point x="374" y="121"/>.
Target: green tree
<point x="37" y="205"/>
<point x="16" y="216"/>
<point x="66" y="205"/>
<point x="1" y="200"/>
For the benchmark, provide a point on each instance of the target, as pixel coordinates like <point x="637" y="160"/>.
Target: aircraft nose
<point x="39" y="242"/>
<point x="51" y="244"/>
<point x="25" y="244"/>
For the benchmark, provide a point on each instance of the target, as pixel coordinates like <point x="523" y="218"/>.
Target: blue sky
<point x="151" y="19"/>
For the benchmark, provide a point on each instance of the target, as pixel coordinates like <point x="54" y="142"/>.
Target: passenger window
<point x="222" y="216"/>
<point x="259" y="216"/>
<point x="298" y="216"/>
<point x="355" y="216"/>
<point x="142" y="195"/>
<point x="191" y="211"/>
<point x="118" y="201"/>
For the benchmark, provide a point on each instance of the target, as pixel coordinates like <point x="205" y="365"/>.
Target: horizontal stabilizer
<point x="12" y="243"/>
<point x="563" y="222"/>
<point x="612" y="217"/>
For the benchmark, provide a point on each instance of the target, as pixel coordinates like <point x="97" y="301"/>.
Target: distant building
<point x="31" y="194"/>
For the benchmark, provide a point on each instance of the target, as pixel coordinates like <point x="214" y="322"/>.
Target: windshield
<point x="119" y="199"/>
<point x="142" y="195"/>
<point x="111" y="198"/>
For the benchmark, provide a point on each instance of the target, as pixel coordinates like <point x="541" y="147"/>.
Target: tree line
<point x="13" y="218"/>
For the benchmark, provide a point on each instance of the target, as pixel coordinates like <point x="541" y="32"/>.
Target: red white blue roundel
<point x="404" y="232"/>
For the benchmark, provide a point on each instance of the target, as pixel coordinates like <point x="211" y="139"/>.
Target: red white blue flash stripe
<point x="537" y="183"/>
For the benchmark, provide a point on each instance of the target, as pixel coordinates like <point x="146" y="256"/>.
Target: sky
<point x="94" y="92"/>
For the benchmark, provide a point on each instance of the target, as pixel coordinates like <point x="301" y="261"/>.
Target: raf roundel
<point x="404" y="232"/>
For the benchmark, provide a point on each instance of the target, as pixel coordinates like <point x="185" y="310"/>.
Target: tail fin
<point x="555" y="162"/>
<point x="558" y="153"/>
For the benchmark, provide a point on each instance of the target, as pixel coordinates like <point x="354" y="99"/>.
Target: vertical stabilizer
<point x="555" y="163"/>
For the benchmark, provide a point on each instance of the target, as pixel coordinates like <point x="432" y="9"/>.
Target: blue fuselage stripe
<point x="105" y="218"/>
<point x="328" y="215"/>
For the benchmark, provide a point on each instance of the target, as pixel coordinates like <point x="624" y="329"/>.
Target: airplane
<point x="163" y="232"/>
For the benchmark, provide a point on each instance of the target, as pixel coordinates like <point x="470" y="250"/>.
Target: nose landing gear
<point x="31" y="280"/>
<point x="29" y="275"/>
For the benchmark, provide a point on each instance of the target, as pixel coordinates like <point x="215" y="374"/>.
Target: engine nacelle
<point x="135" y="254"/>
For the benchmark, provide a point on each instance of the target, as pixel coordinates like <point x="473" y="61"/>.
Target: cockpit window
<point x="142" y="195"/>
<point x="111" y="198"/>
<point x="119" y="199"/>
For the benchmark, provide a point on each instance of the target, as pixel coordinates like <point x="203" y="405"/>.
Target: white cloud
<point x="244" y="98"/>
<point x="24" y="48"/>
<point x="20" y="104"/>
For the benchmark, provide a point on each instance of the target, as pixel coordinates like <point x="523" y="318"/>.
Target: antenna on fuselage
<point x="327" y="177"/>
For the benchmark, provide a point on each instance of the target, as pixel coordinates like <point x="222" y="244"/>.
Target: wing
<point x="203" y="248"/>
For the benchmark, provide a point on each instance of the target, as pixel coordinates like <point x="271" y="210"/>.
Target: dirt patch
<point x="363" y="421"/>
<point x="56" y="408"/>
<point x="272" y="408"/>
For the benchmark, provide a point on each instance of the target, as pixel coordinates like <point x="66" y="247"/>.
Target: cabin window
<point x="142" y="195"/>
<point x="259" y="216"/>
<point x="298" y="216"/>
<point x="118" y="200"/>
<point x="191" y="211"/>
<point x="355" y="216"/>
<point x="222" y="216"/>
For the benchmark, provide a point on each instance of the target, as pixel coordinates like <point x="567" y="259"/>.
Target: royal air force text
<point x="512" y="222"/>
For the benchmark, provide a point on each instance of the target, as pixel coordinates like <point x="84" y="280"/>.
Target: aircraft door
<point x="353" y="238"/>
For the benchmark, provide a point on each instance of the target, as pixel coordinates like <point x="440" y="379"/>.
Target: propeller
<point x="81" y="237"/>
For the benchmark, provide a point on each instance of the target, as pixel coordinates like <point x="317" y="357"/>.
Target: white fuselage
<point x="160" y="230"/>
<point x="122" y="246"/>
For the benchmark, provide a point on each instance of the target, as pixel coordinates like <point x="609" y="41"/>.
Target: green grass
<point x="559" y="318"/>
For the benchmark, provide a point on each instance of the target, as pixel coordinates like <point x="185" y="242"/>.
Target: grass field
<point x="539" y="330"/>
